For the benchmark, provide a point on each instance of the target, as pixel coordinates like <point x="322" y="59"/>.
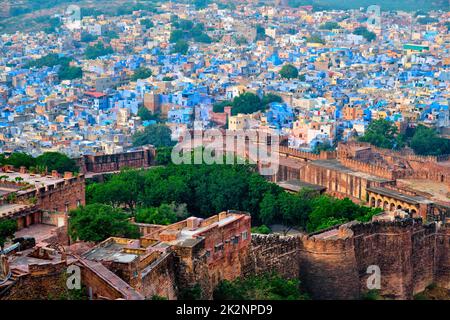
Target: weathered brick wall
<point x="328" y="268"/>
<point x="410" y="256"/>
<point x="41" y="283"/>
<point x="159" y="278"/>
<point x="274" y="253"/>
<point x="142" y="158"/>
<point x="442" y="258"/>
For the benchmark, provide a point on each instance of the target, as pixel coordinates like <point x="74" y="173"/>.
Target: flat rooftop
<point x="297" y="185"/>
<point x="111" y="251"/>
<point x="190" y="236"/>
<point x="11" y="208"/>
<point x="400" y="196"/>
<point x="33" y="179"/>
<point x="334" y="164"/>
<point x="439" y="191"/>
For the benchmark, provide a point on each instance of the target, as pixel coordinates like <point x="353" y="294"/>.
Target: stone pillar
<point x="4" y="267"/>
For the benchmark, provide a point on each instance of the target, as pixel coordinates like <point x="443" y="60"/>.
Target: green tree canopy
<point x="97" y="50"/>
<point x="381" y="133"/>
<point x="141" y="73"/>
<point x="425" y="141"/>
<point x="315" y="39"/>
<point x="269" y="98"/>
<point x="147" y="23"/>
<point x="330" y="25"/>
<point x="97" y="222"/>
<point x="269" y="286"/>
<point x="289" y="71"/>
<point x="19" y="159"/>
<point x="246" y="103"/>
<point x="368" y="35"/>
<point x="164" y="214"/>
<point x="147" y="115"/>
<point x="7" y="229"/>
<point x="56" y="161"/>
<point x="158" y="135"/>
<point x="181" y="47"/>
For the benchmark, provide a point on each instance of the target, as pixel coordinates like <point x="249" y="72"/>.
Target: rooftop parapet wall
<point x="372" y="169"/>
<point x="333" y="264"/>
<point x="307" y="155"/>
<point x="404" y="154"/>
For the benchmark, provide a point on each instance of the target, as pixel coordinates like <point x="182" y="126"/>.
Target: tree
<point x="163" y="215"/>
<point x="164" y="156"/>
<point x="67" y="72"/>
<point x="56" y="161"/>
<point x="315" y="39"/>
<point x="263" y="229"/>
<point x="246" y="103"/>
<point x="158" y="135"/>
<point x="8" y="228"/>
<point x="368" y="35"/>
<point x="147" y="115"/>
<point x="97" y="222"/>
<point x="97" y="50"/>
<point x="181" y="47"/>
<point x="289" y="71"/>
<point x="141" y="73"/>
<point x="19" y="159"/>
<point x="425" y="141"/>
<point x="220" y="106"/>
<point x="381" y="133"/>
<point x="147" y="23"/>
<point x="269" y="98"/>
<point x="269" y="286"/>
<point x="176" y="35"/>
<point x="330" y="25"/>
<point x="269" y="210"/>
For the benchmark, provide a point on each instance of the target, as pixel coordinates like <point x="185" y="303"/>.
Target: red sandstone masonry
<point x="410" y="255"/>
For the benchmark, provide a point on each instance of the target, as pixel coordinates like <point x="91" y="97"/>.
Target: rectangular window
<point x="244" y="235"/>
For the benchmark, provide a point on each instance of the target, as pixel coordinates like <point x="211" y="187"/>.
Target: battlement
<point x="290" y="152"/>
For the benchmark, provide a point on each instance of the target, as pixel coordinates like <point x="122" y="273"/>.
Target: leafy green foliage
<point x="56" y="161"/>
<point x="181" y="47"/>
<point x="97" y="222"/>
<point x="262" y="287"/>
<point x="269" y="98"/>
<point x="329" y="25"/>
<point x="220" y="106"/>
<point x="147" y="115"/>
<point x="164" y="214"/>
<point x="158" y="135"/>
<point x="262" y="229"/>
<point x="141" y="73"/>
<point x="315" y="39"/>
<point x="147" y="23"/>
<point x="67" y="72"/>
<point x="163" y="156"/>
<point x="19" y="159"/>
<point x="48" y="160"/>
<point x="7" y="229"/>
<point x="208" y="189"/>
<point x="97" y="50"/>
<point x="246" y="103"/>
<point x="192" y="293"/>
<point x="381" y="133"/>
<point x="288" y="71"/>
<point x="425" y="141"/>
<point x="368" y="35"/>
<point x="328" y="211"/>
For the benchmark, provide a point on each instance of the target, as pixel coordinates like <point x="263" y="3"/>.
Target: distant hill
<point x="386" y="5"/>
